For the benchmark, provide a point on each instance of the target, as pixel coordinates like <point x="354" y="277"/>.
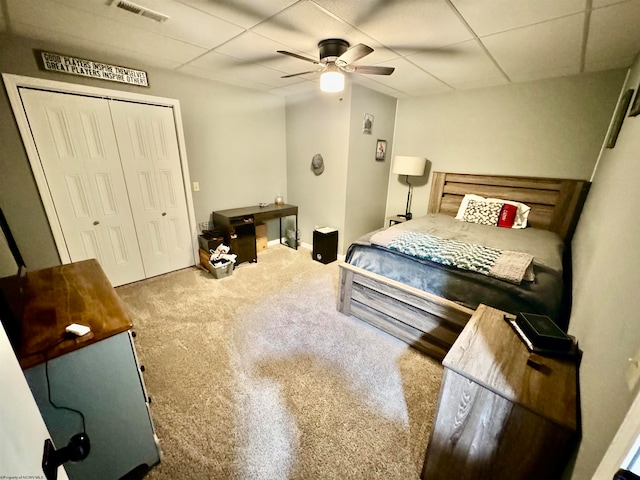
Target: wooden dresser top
<point x="491" y="354"/>
<point x="78" y="292"/>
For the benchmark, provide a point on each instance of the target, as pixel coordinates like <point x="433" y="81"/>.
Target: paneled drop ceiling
<point x="435" y="45"/>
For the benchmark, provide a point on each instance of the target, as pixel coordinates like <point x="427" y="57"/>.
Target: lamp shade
<point x="332" y="81"/>
<point x="407" y="165"/>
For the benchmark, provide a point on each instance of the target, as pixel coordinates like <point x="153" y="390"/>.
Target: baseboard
<point x="304" y="245"/>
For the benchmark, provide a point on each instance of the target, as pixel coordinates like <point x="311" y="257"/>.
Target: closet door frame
<point x="14" y="82"/>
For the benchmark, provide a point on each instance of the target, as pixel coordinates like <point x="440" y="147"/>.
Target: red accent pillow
<point x="507" y="215"/>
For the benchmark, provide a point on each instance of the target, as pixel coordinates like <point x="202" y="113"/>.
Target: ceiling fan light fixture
<point x="332" y="81"/>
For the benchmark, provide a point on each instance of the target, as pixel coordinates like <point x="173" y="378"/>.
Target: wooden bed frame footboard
<point x="425" y="321"/>
<point x="431" y="323"/>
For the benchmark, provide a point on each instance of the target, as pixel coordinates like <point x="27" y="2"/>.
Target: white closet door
<point x="79" y="155"/>
<point x="151" y="162"/>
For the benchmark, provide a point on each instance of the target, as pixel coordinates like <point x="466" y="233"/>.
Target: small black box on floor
<point x="325" y="244"/>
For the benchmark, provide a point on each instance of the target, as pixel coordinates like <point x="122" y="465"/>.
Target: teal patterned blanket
<point x="505" y="265"/>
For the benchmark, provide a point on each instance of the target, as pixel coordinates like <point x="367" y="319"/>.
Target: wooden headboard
<point x="555" y="203"/>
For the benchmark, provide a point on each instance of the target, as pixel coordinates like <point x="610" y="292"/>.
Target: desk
<point x="238" y="225"/>
<point x="97" y="374"/>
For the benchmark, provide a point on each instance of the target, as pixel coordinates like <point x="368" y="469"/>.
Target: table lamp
<point x="409" y="166"/>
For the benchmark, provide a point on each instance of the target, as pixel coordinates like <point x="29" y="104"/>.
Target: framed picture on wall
<point x="367" y="123"/>
<point x="381" y="150"/>
<point x="618" y="118"/>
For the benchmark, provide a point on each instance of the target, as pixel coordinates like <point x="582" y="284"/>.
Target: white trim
<point x="613" y="119"/>
<point x="617" y="455"/>
<point x="14" y="82"/>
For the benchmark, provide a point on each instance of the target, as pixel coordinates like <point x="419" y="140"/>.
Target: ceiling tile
<point x="95" y="50"/>
<point x="614" y="34"/>
<point x="122" y="39"/>
<point x="235" y="68"/>
<point x="371" y="82"/>
<point x="219" y="77"/>
<point x="530" y="76"/>
<point x="403" y="26"/>
<point x="555" y="44"/>
<point x="480" y="83"/>
<point x="463" y="63"/>
<point x="487" y="17"/>
<point x="255" y="48"/>
<point x="609" y="64"/>
<point x="311" y="24"/>
<point x="605" y="3"/>
<point x="245" y="13"/>
<point x="185" y="23"/>
<point x="410" y="79"/>
<point x="296" y="88"/>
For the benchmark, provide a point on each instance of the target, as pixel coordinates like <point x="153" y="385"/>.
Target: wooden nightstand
<point x="395" y="219"/>
<point x="502" y="412"/>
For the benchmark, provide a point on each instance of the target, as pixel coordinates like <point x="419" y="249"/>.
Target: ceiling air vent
<point x="140" y="10"/>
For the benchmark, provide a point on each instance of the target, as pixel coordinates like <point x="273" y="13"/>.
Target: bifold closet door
<point x="79" y="154"/>
<point x="148" y="146"/>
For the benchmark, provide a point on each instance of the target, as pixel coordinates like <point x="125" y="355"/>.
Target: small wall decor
<point x="381" y="150"/>
<point x="367" y="124"/>
<point x="88" y="68"/>
<point x="635" y="107"/>
<point x="618" y="118"/>
<point x="317" y="164"/>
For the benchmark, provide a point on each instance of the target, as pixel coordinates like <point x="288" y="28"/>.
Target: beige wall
<point x="351" y="193"/>
<point x="546" y="128"/>
<point x="318" y="123"/>
<point x="367" y="178"/>
<point x="235" y="140"/>
<point x="606" y="306"/>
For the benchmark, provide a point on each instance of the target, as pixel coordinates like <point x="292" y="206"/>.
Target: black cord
<point x="46" y="374"/>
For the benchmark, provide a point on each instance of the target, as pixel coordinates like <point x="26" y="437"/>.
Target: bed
<point x="427" y="304"/>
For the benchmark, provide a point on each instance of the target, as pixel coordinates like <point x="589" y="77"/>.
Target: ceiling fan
<point x="336" y="57"/>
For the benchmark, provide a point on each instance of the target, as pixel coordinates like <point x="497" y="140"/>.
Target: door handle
<point x="96" y="222"/>
<point x="164" y="214"/>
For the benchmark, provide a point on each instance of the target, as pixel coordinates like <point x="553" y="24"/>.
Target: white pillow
<point x="521" y="215"/>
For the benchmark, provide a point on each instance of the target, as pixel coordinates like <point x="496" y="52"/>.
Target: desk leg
<point x="295" y="233"/>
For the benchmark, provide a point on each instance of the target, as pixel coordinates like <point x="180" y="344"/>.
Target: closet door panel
<point x="151" y="162"/>
<point x="79" y="155"/>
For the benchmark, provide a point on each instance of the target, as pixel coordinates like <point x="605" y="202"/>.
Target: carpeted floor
<point x="257" y="376"/>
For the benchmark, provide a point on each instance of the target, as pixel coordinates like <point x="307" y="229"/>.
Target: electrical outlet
<point x="196" y="186"/>
<point x="632" y="375"/>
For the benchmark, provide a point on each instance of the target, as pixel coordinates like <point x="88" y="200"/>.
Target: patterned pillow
<point x="506" y="220"/>
<point x="484" y="213"/>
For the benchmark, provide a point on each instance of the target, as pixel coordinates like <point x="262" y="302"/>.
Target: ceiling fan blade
<point x="354" y="54"/>
<point x="301" y="73"/>
<point x="295" y="55"/>
<point x="372" y="69"/>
